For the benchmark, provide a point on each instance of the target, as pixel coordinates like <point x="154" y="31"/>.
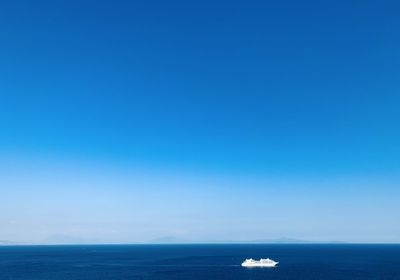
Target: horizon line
<point x="201" y="243"/>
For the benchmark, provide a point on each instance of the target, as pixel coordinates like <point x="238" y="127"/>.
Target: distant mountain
<point x="282" y="240"/>
<point x="64" y="239"/>
<point x="6" y="242"/>
<point x="168" y="239"/>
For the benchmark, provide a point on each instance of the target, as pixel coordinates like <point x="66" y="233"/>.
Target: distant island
<point x="281" y="240"/>
<point x="6" y="242"/>
<point x="60" y="239"/>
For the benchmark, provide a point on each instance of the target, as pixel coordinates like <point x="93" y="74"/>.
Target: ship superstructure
<point x="261" y="263"/>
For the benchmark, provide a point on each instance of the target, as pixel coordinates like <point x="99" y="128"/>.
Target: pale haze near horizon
<point x="75" y="203"/>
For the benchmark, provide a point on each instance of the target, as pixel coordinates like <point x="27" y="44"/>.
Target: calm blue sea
<point x="121" y="262"/>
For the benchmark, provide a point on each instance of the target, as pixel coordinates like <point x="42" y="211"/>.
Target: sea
<point x="195" y="262"/>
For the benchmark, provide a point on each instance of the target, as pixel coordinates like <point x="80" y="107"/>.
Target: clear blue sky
<point x="124" y="121"/>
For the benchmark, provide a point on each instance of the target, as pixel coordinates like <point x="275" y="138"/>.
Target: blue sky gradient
<point x="124" y="121"/>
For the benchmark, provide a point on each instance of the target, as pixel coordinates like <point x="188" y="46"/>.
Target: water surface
<point x="169" y="262"/>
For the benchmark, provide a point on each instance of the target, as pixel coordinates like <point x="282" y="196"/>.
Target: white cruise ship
<point x="260" y="263"/>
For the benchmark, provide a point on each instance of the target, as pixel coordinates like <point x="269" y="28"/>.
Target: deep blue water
<point x="198" y="262"/>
